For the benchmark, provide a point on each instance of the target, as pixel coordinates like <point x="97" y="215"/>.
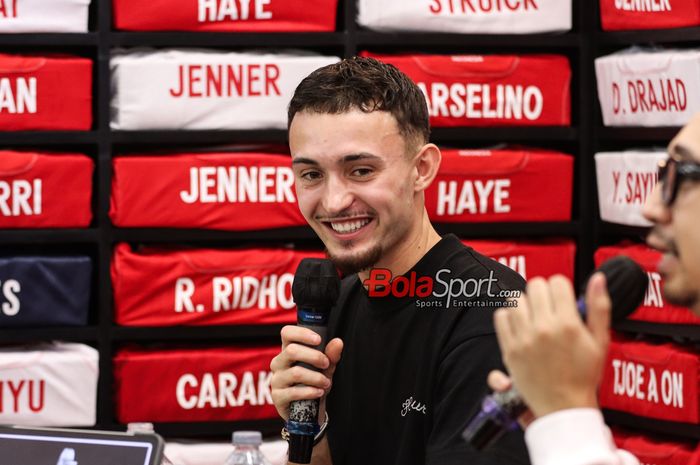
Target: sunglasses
<point x="672" y="173"/>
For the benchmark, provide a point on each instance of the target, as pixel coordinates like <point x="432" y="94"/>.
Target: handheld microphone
<point x="627" y="284"/>
<point x="315" y="290"/>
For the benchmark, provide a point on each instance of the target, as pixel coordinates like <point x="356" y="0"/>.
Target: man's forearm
<point x="321" y="454"/>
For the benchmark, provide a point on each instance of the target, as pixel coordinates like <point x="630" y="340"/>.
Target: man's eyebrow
<point x="304" y="161"/>
<point x="346" y="159"/>
<point x="359" y="156"/>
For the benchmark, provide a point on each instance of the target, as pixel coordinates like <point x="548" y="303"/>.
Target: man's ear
<point x="427" y="164"/>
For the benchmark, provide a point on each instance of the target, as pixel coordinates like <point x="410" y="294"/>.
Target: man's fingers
<point x="598" y="309"/>
<point x="540" y="299"/>
<point x="334" y="350"/>
<point x="562" y="292"/>
<point x="499" y="381"/>
<point x="294" y="353"/>
<point x="504" y="333"/>
<point x="299" y="375"/>
<point x="298" y="334"/>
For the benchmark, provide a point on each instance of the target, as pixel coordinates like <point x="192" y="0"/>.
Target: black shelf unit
<point x="581" y="46"/>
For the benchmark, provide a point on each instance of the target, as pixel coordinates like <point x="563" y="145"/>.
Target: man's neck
<point x="409" y="251"/>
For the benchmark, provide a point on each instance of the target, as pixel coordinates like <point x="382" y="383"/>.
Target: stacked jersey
<point x="657" y="451"/>
<point x="639" y="87"/>
<point x="186" y="385"/>
<point x="200" y="89"/>
<point x="52" y="92"/>
<point x="617" y="15"/>
<point x="225" y="15"/>
<point x="466" y="17"/>
<point x="529" y="258"/>
<point x="490" y="90"/>
<point x="48" y="385"/>
<point x="625" y="180"/>
<point x="228" y="191"/>
<point x="515" y="185"/>
<point x="161" y="287"/>
<point x="45" y="190"/>
<point x="44" y="291"/>
<point x="657" y="381"/>
<point x="44" y="16"/>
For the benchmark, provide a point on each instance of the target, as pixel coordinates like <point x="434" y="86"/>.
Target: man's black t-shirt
<point x="412" y="374"/>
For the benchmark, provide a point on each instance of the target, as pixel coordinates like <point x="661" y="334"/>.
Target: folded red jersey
<point x="501" y="185"/>
<point x="161" y="287"/>
<point x="617" y="15"/>
<point x="220" y="384"/>
<point x="237" y="192"/>
<point x="657" y="451"/>
<point x="225" y="15"/>
<point x="529" y="258"/>
<point x="491" y="90"/>
<point x="45" y="93"/>
<point x="45" y="191"/>
<point x="655" y="308"/>
<point x="652" y="380"/>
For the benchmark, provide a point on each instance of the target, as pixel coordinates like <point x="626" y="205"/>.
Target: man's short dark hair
<point x="369" y="85"/>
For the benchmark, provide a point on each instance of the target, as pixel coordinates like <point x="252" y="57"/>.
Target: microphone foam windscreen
<point x="627" y="284"/>
<point x="316" y="283"/>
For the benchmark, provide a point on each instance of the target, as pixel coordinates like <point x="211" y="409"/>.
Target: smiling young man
<point x="412" y="368"/>
<point x="556" y="360"/>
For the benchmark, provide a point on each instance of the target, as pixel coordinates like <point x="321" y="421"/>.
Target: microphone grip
<point x="303" y="414"/>
<point x="498" y="414"/>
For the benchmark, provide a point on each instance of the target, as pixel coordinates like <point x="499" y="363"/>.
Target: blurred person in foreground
<point x="411" y="367"/>
<point x="556" y="360"/>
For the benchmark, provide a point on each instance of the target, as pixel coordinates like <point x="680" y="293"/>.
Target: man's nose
<point x="655" y="210"/>
<point x="337" y="197"/>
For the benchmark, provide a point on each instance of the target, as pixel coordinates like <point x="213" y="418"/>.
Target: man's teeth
<point x="348" y="226"/>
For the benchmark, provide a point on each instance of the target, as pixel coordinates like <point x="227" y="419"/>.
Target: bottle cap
<point x="247" y="437"/>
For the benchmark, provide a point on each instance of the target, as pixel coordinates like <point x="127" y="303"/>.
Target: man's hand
<point x="555" y="360"/>
<point x="285" y="376"/>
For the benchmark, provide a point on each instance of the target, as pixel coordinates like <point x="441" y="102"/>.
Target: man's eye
<point x="311" y="175"/>
<point x="361" y="172"/>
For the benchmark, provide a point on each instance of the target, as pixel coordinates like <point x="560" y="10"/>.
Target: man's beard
<point x="357" y="262"/>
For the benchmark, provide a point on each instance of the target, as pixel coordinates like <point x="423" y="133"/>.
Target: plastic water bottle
<point x="246" y="449"/>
